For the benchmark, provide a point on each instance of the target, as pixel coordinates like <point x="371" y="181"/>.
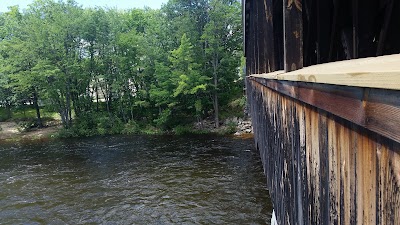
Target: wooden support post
<point x="253" y="38"/>
<point x="277" y="20"/>
<point x="250" y="38"/>
<point x="261" y="37"/>
<point x="255" y="33"/>
<point x="258" y="35"/>
<point x="269" y="38"/>
<point x="384" y="29"/>
<point x="244" y="26"/>
<point x="333" y="29"/>
<point x="293" y="35"/>
<point x="355" y="29"/>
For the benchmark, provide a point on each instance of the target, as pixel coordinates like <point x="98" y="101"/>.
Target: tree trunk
<point x="131" y="106"/>
<point x="215" y="98"/>
<point x="216" y="109"/>
<point x="8" y="111"/>
<point x="108" y="100"/>
<point x="36" y="105"/>
<point x="68" y="103"/>
<point x="63" y="118"/>
<point x="97" y="98"/>
<point x="107" y="97"/>
<point x="61" y="109"/>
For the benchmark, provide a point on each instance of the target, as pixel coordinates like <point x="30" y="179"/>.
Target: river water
<point x="133" y="180"/>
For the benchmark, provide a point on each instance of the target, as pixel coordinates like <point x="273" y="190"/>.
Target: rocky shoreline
<point x="243" y="126"/>
<point x="235" y="125"/>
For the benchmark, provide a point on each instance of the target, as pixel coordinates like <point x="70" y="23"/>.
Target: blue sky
<point x="120" y="4"/>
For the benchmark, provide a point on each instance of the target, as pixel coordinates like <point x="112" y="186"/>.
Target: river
<point x="133" y="180"/>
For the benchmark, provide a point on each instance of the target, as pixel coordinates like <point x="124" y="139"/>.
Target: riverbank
<point x="235" y="125"/>
<point x="11" y="131"/>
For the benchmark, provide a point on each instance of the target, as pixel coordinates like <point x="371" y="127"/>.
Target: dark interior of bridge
<point x="331" y="30"/>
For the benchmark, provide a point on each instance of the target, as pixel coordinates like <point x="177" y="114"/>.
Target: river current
<point x="133" y="180"/>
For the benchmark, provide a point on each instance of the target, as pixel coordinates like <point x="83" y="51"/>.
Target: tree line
<point x="164" y="67"/>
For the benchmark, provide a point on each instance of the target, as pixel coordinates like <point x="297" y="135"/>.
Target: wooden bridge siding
<point x="322" y="169"/>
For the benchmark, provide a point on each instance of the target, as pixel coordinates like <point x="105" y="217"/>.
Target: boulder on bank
<point x="234" y="125"/>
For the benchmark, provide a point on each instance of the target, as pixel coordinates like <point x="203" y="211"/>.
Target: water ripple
<point x="133" y="180"/>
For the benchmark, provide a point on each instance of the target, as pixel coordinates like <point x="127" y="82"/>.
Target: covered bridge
<point x="323" y="84"/>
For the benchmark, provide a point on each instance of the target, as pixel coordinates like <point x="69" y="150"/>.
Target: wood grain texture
<point x="263" y="35"/>
<point x="293" y="34"/>
<point x="268" y="37"/>
<point x="375" y="72"/>
<point x="375" y="109"/>
<point x="321" y="168"/>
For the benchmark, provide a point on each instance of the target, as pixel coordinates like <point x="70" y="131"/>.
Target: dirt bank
<point x="10" y="131"/>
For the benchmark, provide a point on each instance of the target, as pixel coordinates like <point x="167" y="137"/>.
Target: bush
<point x="98" y="124"/>
<point x="3" y="118"/>
<point x="107" y="125"/>
<point x="27" y="125"/>
<point x="4" y="114"/>
<point x="163" y="118"/>
<point x="150" y="130"/>
<point x="85" y="126"/>
<point x="183" y="129"/>
<point x="230" y="128"/>
<point x="67" y="133"/>
<point x="238" y="103"/>
<point x="131" y="128"/>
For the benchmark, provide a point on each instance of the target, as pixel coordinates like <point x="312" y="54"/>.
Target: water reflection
<point x="133" y="180"/>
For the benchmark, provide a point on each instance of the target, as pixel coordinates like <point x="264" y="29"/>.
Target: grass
<point x="26" y="113"/>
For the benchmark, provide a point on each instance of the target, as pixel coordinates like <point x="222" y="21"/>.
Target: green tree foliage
<point x="222" y="40"/>
<point x="165" y="67"/>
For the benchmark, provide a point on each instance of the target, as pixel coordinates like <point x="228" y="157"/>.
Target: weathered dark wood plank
<point x="262" y="51"/>
<point x="337" y="171"/>
<point x="277" y="20"/>
<point x="344" y="164"/>
<point x="299" y="162"/>
<point x="374" y="109"/>
<point x="303" y="217"/>
<point x="393" y="197"/>
<point x="324" y="167"/>
<point x="365" y="181"/>
<point x="352" y="136"/>
<point x="293" y="35"/>
<point x="334" y="174"/>
<point x="253" y="36"/>
<point x="257" y="29"/>
<point x="313" y="141"/>
<point x="268" y="38"/>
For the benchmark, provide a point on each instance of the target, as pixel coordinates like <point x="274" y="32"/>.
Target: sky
<point x="120" y="4"/>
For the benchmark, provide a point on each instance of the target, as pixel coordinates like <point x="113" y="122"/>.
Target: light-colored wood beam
<point x="375" y="72"/>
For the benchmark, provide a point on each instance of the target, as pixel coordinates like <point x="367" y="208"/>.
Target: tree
<point x="24" y="78"/>
<point x="186" y="75"/>
<point x="18" y="61"/>
<point x="55" y="31"/>
<point x="222" y="40"/>
<point x="6" y="95"/>
<point x="181" y="60"/>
